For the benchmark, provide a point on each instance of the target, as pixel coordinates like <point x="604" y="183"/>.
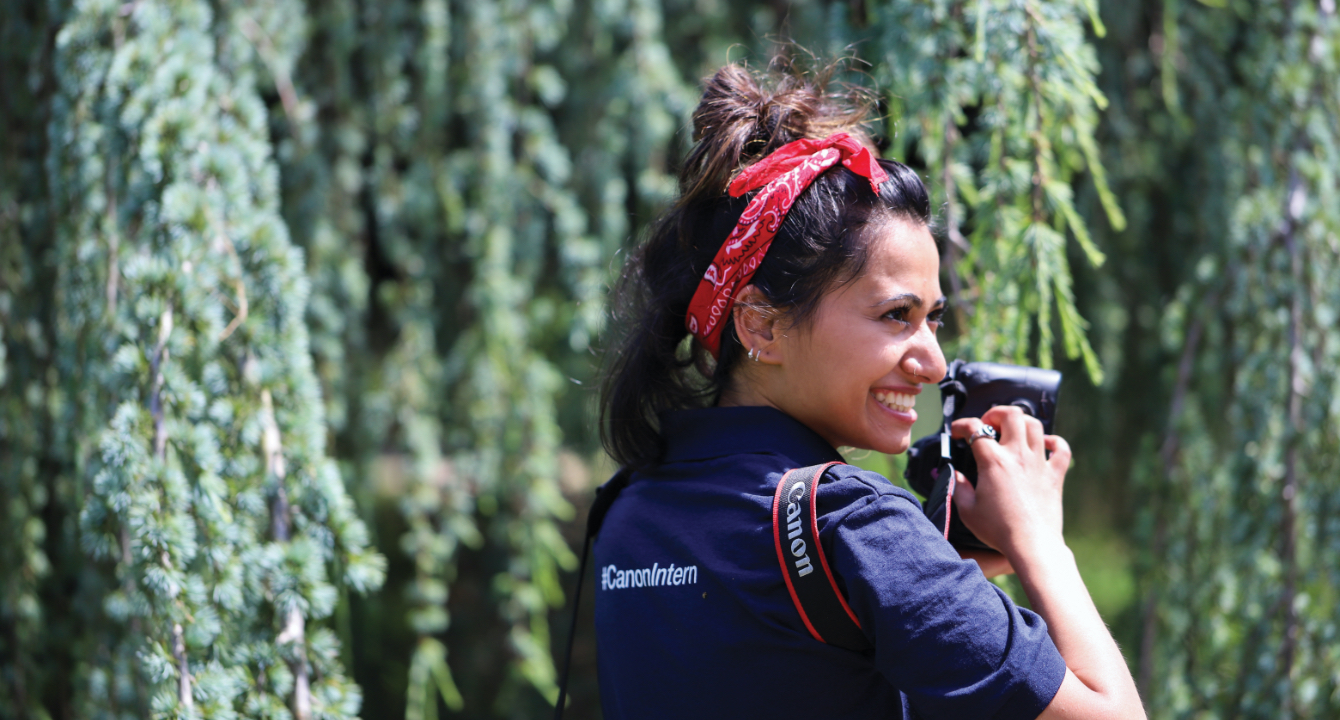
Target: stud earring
<point x="753" y="354"/>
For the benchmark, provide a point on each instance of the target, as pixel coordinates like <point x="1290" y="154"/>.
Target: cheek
<point x="859" y="361"/>
<point x="833" y="370"/>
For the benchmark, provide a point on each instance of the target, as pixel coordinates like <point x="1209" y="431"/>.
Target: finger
<point x="1060" y="450"/>
<point x="1036" y="435"/>
<point x="965" y="428"/>
<point x="965" y="495"/>
<point x="1009" y="420"/>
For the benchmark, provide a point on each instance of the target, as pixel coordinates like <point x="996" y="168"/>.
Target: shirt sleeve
<point x="955" y="644"/>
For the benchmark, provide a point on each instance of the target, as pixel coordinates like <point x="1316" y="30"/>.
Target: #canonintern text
<point x="612" y="578"/>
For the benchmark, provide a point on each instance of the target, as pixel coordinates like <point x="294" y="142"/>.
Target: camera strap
<point x="950" y="392"/>
<point x="795" y="533"/>
<point x="947" y="468"/>
<point x="605" y="495"/>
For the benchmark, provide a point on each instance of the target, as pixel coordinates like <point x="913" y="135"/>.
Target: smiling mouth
<point x="902" y="402"/>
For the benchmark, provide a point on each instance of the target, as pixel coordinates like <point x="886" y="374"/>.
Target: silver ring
<point x="983" y="431"/>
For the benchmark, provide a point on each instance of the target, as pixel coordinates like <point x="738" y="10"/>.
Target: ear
<point x="756" y="323"/>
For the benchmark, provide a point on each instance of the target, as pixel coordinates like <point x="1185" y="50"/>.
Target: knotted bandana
<point x="783" y="175"/>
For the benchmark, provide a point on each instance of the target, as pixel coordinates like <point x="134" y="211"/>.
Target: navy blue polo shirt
<point x="693" y="617"/>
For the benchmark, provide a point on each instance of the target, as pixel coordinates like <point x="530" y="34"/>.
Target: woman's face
<point x="853" y="372"/>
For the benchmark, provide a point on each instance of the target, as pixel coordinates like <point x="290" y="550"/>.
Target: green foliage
<point x="460" y="177"/>
<point x="999" y="99"/>
<point x="1241" y="613"/>
<point x="252" y="254"/>
<point x="181" y="404"/>
<point x="460" y="197"/>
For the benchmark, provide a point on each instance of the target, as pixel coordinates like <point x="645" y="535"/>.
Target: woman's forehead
<point x="901" y="258"/>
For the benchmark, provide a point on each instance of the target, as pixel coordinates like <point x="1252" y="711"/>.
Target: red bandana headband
<point x="783" y="175"/>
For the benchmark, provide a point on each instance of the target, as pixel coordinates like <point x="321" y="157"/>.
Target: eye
<point x="898" y="314"/>
<point x="936" y="318"/>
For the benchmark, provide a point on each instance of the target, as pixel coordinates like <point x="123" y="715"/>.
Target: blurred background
<point x="301" y="312"/>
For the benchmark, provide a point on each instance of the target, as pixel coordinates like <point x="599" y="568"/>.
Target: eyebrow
<point x="912" y="299"/>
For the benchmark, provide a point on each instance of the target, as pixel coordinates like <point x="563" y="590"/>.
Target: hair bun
<point x="744" y="115"/>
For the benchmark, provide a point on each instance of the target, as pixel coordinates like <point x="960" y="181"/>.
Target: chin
<point x="892" y="445"/>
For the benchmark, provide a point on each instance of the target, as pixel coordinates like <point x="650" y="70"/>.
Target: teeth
<point x="898" y="401"/>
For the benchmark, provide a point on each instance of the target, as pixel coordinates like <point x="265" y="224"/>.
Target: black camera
<point x="968" y="390"/>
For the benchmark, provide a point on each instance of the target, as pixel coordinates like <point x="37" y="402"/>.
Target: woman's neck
<point x="744" y="392"/>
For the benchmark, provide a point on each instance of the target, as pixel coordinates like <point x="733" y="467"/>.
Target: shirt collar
<point x="704" y="433"/>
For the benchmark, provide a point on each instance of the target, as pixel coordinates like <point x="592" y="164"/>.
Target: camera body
<point x="969" y="390"/>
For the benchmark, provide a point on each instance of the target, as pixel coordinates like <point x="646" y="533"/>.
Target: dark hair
<point x="742" y="117"/>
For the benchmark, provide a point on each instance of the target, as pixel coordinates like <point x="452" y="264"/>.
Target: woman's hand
<point x="1016" y="508"/>
<point x="1017" y="500"/>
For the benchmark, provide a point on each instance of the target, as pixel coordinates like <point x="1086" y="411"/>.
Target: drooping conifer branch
<point x="1035" y="101"/>
<point x="288" y="95"/>
<point x="294" y="633"/>
<point x="154" y="123"/>
<point x="157" y="363"/>
<point x="957" y="244"/>
<point x="1168" y="456"/>
<point x="222" y="241"/>
<point x="157" y="360"/>
<point x="184" y="695"/>
<point x="1259" y="582"/>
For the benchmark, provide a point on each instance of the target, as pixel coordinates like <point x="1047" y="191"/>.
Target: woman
<point x="785" y="306"/>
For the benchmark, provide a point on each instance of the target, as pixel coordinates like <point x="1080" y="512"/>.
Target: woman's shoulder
<point x="849" y="489"/>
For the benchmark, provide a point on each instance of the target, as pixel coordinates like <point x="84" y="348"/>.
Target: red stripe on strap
<point x="781" y="559"/>
<point x="949" y="498"/>
<point x="823" y="557"/>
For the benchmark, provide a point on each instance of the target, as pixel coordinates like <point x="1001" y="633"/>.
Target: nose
<point x="924" y="359"/>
